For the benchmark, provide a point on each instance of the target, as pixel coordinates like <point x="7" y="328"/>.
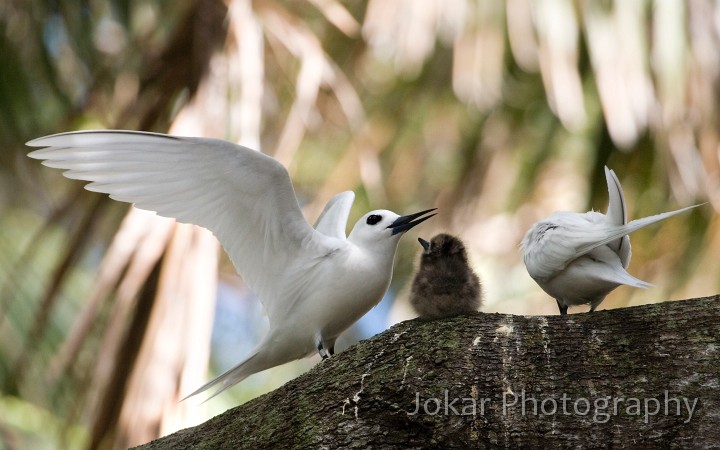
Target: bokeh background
<point x="496" y="112"/>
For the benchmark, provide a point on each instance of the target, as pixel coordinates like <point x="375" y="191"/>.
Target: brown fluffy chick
<point x="445" y="285"/>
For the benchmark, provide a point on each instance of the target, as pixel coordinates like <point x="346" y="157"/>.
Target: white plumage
<point x="580" y="258"/>
<point x="313" y="282"/>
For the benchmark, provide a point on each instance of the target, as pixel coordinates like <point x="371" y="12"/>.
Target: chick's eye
<point x="373" y="219"/>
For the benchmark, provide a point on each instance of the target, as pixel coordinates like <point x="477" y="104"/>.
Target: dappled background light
<point x="496" y="112"/>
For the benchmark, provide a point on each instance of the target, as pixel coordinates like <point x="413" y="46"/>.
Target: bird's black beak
<point x="404" y="223"/>
<point x="425" y="244"/>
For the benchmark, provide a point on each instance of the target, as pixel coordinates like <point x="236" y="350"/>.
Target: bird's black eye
<point x="373" y="219"/>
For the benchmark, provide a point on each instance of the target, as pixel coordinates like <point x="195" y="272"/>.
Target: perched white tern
<point x="313" y="282"/>
<point x="580" y="258"/>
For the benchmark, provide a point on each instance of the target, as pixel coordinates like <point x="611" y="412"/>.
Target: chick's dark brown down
<point x="445" y="285"/>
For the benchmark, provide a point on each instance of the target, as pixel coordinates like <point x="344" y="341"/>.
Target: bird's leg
<point x="563" y="308"/>
<point x="595" y="303"/>
<point x="331" y="350"/>
<point x="321" y="350"/>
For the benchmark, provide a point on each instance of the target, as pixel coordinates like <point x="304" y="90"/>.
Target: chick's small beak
<point x="404" y="223"/>
<point x="425" y="244"/>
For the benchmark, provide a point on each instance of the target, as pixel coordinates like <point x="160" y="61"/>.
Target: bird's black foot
<point x="325" y="353"/>
<point x="563" y="309"/>
<point x="321" y="351"/>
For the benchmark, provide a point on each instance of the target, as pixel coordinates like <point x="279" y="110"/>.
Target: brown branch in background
<point x="127" y="258"/>
<point x="178" y="334"/>
<point x="180" y="66"/>
<point x="121" y="373"/>
<point x="105" y="421"/>
<point x="111" y="362"/>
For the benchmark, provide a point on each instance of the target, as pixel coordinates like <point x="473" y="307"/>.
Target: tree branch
<point x="645" y="376"/>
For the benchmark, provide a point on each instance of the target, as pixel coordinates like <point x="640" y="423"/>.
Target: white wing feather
<point x="564" y="236"/>
<point x="333" y="220"/>
<point x="244" y="197"/>
<point x="617" y="215"/>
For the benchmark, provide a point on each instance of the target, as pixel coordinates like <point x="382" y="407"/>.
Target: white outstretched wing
<point x="333" y="220"/>
<point x="244" y="197"/>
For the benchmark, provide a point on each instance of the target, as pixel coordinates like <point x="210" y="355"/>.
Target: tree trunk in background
<point x="645" y="376"/>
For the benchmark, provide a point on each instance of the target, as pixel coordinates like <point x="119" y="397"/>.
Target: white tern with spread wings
<point x="314" y="282"/>
<point x="579" y="258"/>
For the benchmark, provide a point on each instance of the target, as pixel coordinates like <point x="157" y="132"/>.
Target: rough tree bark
<point x="645" y="376"/>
